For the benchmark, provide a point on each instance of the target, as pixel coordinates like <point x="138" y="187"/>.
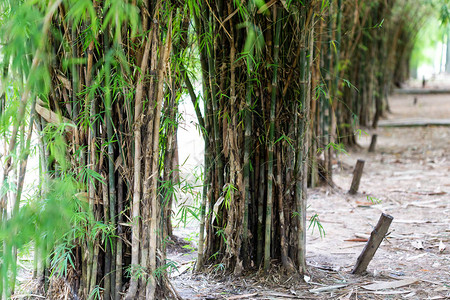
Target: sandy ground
<point x="406" y="177"/>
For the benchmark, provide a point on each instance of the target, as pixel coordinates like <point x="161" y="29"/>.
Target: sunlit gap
<point x="431" y="52"/>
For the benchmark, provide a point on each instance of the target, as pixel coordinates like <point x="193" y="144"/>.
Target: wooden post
<point x="376" y="237"/>
<point x="357" y="173"/>
<point x="373" y="143"/>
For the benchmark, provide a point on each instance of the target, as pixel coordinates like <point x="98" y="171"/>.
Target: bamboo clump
<point x="285" y="86"/>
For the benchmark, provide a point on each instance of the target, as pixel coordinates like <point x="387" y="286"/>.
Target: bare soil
<point x="406" y="177"/>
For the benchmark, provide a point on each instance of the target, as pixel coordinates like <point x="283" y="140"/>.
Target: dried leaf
<point x="346" y="297"/>
<point x="389" y="284"/>
<point x="242" y="296"/>
<point x="216" y="208"/>
<point x="413" y="221"/>
<point x="391" y="292"/>
<point x="415" y="257"/>
<point x="52" y="117"/>
<point x="356" y="240"/>
<point x="65" y="82"/>
<point x="441" y="246"/>
<point x="180" y="270"/>
<point x="328" y="288"/>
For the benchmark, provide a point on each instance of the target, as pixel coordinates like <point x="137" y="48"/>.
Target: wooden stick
<point x="376" y="237"/>
<point x="357" y="173"/>
<point x="373" y="143"/>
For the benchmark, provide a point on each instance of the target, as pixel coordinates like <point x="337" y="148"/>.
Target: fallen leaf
<point x="430" y="193"/>
<point x="391" y="292"/>
<point x="180" y="270"/>
<point x="413" y="221"/>
<point x="241" y="296"/>
<point x="389" y="284"/>
<point x="364" y="203"/>
<point x="327" y="288"/>
<point x="441" y="246"/>
<point x="279" y="295"/>
<point x="417" y="244"/>
<point x="415" y="257"/>
<point x="356" y="240"/>
<point x="409" y="295"/>
<point x="346" y="297"/>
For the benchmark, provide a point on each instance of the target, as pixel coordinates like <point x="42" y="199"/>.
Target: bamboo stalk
<point x="119" y="243"/>
<point x="108" y="256"/>
<point x="93" y="279"/>
<point x="25" y="149"/>
<point x="270" y="175"/>
<point x="260" y="225"/>
<point x="194" y="101"/>
<point x="111" y="169"/>
<point x="147" y="193"/>
<point x="285" y="260"/>
<point x="306" y="147"/>
<point x="337" y="60"/>
<point x="132" y="290"/>
<point x="247" y="144"/>
<point x="155" y="205"/>
<point x="206" y="172"/>
<point x="215" y="117"/>
<point x="328" y="113"/>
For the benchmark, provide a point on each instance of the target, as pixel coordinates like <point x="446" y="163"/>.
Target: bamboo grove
<point x="93" y="87"/>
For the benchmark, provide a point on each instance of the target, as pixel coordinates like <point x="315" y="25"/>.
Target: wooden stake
<point x="373" y="143"/>
<point x="357" y="173"/>
<point x="376" y="237"/>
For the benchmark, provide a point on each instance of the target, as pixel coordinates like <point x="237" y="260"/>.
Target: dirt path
<point x="407" y="177"/>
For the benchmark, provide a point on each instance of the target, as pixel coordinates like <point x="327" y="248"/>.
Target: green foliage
<point x="314" y="222"/>
<point x="254" y="44"/>
<point x="220" y="267"/>
<point x="229" y="190"/>
<point x="136" y="271"/>
<point x="118" y="13"/>
<point x="50" y="221"/>
<point x="444" y="12"/>
<point x="338" y="148"/>
<point x="374" y="200"/>
<point x="96" y="293"/>
<point x="349" y="84"/>
<point x="62" y="259"/>
<point x="191" y="238"/>
<point x="359" y="132"/>
<point x="188" y="209"/>
<point x="169" y="267"/>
